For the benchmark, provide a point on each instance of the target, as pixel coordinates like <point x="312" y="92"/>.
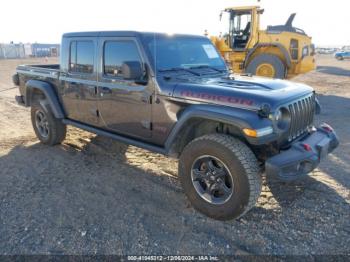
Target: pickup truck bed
<point x="49" y="73"/>
<point x="45" y="70"/>
<point x="38" y="67"/>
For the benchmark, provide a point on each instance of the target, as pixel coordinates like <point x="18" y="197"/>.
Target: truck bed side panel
<point x="46" y="73"/>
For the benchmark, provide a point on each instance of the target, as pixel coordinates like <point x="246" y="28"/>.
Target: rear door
<point x="80" y="81"/>
<point x="124" y="105"/>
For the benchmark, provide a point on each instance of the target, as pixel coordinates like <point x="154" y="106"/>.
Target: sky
<point x="44" y="21"/>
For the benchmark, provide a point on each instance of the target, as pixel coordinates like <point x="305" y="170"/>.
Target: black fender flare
<point x="274" y="44"/>
<point x="15" y="79"/>
<point x="50" y="95"/>
<point x="239" y="118"/>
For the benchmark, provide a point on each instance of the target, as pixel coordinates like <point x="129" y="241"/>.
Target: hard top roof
<point x="124" y="34"/>
<point x="248" y="7"/>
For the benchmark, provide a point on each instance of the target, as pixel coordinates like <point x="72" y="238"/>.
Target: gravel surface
<point x="91" y="195"/>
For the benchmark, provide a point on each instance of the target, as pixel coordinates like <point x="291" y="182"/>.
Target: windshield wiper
<point x="208" y="67"/>
<point x="179" y="69"/>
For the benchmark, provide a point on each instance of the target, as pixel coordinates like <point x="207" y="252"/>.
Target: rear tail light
<point x="307" y="147"/>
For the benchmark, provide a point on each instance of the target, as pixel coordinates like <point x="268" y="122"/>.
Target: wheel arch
<point x="199" y="120"/>
<point x="283" y="52"/>
<point x="35" y="89"/>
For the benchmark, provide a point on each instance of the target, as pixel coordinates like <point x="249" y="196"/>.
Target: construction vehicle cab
<point x="281" y="51"/>
<point x="240" y="28"/>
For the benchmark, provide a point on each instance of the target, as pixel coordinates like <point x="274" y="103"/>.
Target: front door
<point x="124" y="105"/>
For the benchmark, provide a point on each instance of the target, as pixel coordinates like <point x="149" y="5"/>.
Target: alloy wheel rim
<point x="212" y="180"/>
<point x="42" y="124"/>
<point x="265" y="70"/>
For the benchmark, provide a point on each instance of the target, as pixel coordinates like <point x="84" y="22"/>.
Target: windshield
<point x="240" y="23"/>
<point x="170" y="52"/>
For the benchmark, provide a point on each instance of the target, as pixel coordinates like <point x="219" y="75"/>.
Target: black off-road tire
<point x="56" y="129"/>
<point x="242" y="165"/>
<point x="275" y="61"/>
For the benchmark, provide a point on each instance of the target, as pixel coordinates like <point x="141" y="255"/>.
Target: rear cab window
<point x="81" y="58"/>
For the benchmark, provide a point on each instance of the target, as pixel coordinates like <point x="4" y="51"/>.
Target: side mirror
<point x="132" y="70"/>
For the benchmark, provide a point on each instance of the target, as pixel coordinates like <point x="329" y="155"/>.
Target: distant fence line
<point x="28" y="50"/>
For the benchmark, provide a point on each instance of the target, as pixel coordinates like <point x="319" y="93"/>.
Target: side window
<point x="294" y="49"/>
<point x="115" y="53"/>
<point x="81" y="57"/>
<point x="73" y="56"/>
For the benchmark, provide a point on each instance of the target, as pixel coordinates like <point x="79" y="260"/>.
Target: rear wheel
<point x="220" y="176"/>
<point x="267" y="65"/>
<point x="48" y="129"/>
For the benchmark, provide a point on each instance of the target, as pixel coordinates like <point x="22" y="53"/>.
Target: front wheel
<point x="220" y="176"/>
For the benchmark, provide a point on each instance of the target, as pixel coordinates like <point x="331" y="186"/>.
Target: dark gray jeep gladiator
<point x="174" y="95"/>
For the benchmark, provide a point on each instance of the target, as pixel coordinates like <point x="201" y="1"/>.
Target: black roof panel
<point x="123" y="34"/>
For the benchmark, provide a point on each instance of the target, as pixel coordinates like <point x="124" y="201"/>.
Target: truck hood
<point x="240" y="91"/>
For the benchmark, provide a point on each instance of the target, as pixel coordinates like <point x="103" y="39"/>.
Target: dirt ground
<point x="91" y="195"/>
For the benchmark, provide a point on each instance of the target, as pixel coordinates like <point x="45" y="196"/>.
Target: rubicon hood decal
<point x="242" y="92"/>
<point x="217" y="98"/>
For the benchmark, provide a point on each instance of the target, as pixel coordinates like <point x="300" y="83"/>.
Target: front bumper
<point x="303" y="156"/>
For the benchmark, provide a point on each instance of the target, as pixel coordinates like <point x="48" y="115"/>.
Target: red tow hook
<point x="307" y="147"/>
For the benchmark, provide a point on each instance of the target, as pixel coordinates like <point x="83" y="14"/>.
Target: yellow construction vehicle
<point x="281" y="51"/>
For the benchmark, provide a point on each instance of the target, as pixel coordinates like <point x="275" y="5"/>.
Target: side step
<point x="116" y="137"/>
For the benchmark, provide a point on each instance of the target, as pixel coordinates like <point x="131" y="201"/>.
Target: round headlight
<point x="278" y="115"/>
<point x="282" y="118"/>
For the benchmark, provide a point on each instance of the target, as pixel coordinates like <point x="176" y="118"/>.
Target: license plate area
<point x="322" y="148"/>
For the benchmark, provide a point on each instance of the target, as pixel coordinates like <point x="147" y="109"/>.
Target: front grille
<point x="302" y="115"/>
